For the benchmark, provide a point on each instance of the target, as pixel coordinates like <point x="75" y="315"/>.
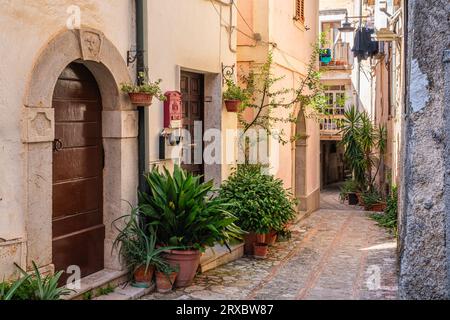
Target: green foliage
<point x="268" y="102"/>
<point x="137" y="241"/>
<point x="365" y="146"/>
<point x="145" y="86"/>
<point x="105" y="291"/>
<point x="389" y="218"/>
<point x="88" y="295"/>
<point x="185" y="212"/>
<point x="234" y="92"/>
<point x="371" y="198"/>
<point x="9" y="291"/>
<point x="37" y="287"/>
<point x="349" y="186"/>
<point x="260" y="201"/>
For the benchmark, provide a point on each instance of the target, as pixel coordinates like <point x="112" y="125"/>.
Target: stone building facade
<point x="425" y="189"/>
<point x="65" y="117"/>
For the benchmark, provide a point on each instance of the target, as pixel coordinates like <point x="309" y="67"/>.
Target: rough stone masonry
<point x="425" y="190"/>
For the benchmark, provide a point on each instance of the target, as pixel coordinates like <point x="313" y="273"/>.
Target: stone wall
<point x="425" y="194"/>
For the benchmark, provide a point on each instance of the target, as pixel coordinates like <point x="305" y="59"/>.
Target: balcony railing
<point x="331" y="124"/>
<point x="342" y="57"/>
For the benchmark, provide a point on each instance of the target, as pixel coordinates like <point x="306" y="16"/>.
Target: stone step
<point x="220" y="255"/>
<point x="91" y="285"/>
<point x="127" y="293"/>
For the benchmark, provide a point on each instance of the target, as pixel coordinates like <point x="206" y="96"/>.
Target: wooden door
<point x="78" y="230"/>
<point x="192" y="89"/>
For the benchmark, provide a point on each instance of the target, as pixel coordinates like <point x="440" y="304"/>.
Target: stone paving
<point x="336" y="253"/>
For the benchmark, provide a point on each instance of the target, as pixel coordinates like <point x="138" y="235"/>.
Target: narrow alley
<point x="336" y="253"/>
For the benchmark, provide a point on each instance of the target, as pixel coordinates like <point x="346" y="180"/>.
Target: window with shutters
<point x="300" y="10"/>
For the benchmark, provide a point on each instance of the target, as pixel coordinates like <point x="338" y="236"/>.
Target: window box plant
<point x="137" y="245"/>
<point x="188" y="216"/>
<point x="234" y="97"/>
<point x="142" y="94"/>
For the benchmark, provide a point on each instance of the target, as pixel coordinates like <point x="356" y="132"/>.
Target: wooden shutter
<point x="300" y="10"/>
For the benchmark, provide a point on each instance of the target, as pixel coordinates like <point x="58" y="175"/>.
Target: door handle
<point x="57" y="145"/>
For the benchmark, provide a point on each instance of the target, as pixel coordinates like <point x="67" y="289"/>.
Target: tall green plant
<point x="8" y="291"/>
<point x="259" y="201"/>
<point x="185" y="211"/>
<point x="137" y="242"/>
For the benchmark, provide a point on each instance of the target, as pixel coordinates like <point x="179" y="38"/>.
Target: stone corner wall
<point x="425" y="195"/>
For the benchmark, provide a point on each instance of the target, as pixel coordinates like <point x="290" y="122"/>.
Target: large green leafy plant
<point x="185" y="212"/>
<point x="260" y="201"/>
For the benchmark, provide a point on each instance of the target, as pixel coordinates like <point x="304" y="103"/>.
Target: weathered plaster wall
<point x="424" y="229"/>
<point x="291" y="44"/>
<point x="191" y="35"/>
<point x="27" y="28"/>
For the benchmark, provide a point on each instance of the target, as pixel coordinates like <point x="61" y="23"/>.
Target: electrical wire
<point x="242" y="16"/>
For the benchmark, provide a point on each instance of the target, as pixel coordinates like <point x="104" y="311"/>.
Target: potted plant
<point x="259" y="201"/>
<point x="142" y="94"/>
<point x="349" y="191"/>
<point x="271" y="237"/>
<point x="138" y="246"/>
<point x="373" y="201"/>
<point x="261" y="250"/>
<point x="186" y="215"/>
<point x="165" y="277"/>
<point x="234" y="97"/>
<point x="325" y="56"/>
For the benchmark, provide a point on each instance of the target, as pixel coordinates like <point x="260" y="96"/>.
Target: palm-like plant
<point x="185" y="212"/>
<point x="137" y="242"/>
<point x="360" y="139"/>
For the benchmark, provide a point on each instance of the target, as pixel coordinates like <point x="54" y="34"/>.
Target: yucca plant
<point x="185" y="212"/>
<point x="137" y="242"/>
<point x="39" y="287"/>
<point x="8" y="291"/>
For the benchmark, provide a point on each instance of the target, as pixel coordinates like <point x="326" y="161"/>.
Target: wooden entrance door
<point x="192" y="89"/>
<point x="78" y="230"/>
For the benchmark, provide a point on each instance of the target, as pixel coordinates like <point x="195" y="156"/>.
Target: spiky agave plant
<point x="8" y="291"/>
<point x="186" y="212"/>
<point x="43" y="288"/>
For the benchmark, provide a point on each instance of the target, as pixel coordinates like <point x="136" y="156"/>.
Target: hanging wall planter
<point x="140" y="99"/>
<point x="233" y="105"/>
<point x="141" y="95"/>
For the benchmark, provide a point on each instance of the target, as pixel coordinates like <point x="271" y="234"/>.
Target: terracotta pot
<point x="260" y="238"/>
<point x="143" y="277"/>
<point x="141" y="99"/>
<point x="378" y="207"/>
<point x="164" y="282"/>
<point x="271" y="238"/>
<point x="261" y="250"/>
<point x="232" y="105"/>
<point x="249" y="243"/>
<point x="187" y="261"/>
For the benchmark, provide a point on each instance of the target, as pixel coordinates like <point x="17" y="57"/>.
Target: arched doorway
<point x="77" y="221"/>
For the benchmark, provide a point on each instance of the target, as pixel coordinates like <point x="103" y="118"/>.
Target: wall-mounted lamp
<point x="347" y="26"/>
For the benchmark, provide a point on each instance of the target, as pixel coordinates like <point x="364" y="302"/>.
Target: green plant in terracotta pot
<point x="234" y="97"/>
<point x="166" y="275"/>
<point x="260" y="202"/>
<point x="138" y="246"/>
<point x="186" y="214"/>
<point x="142" y="94"/>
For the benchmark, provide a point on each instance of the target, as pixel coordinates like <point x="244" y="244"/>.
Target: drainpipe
<point x="140" y="67"/>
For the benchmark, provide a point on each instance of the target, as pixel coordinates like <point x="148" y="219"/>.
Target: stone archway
<point x="120" y="130"/>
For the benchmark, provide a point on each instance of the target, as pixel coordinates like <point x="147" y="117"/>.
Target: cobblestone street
<point x="336" y="253"/>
